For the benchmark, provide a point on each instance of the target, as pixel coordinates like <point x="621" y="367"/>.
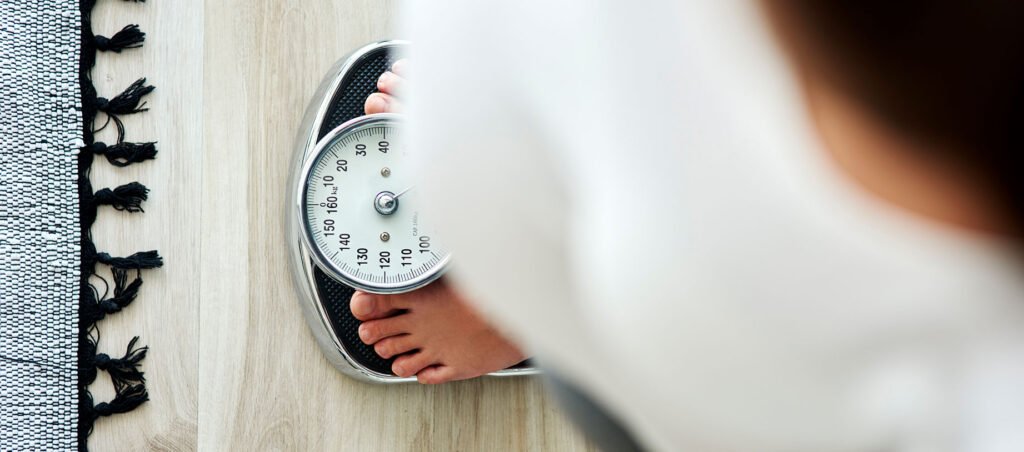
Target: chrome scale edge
<point x="300" y="254"/>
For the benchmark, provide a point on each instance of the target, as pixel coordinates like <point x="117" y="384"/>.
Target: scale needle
<point x="404" y="192"/>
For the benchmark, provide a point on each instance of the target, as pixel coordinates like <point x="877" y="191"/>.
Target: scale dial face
<point x="361" y="212"/>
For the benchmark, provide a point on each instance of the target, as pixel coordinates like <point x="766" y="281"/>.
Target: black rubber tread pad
<point x="350" y="97"/>
<point x="336" y="296"/>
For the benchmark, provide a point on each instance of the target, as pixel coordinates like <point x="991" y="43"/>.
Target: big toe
<point x="365" y="306"/>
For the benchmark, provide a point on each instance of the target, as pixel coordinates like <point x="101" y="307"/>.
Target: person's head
<point x="945" y="77"/>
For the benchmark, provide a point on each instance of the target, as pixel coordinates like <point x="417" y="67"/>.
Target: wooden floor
<point x="232" y="365"/>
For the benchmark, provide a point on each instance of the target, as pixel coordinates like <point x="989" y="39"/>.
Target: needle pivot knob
<point x="386" y="203"/>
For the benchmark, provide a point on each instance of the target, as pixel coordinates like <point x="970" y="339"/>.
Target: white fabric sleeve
<point x="488" y="174"/>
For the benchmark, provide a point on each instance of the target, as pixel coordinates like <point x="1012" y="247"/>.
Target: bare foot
<point x="436" y="336"/>
<point x="390" y="85"/>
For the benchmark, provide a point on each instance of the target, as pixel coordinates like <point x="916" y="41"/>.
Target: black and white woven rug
<point x="51" y="304"/>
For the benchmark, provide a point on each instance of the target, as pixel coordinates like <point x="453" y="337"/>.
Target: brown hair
<point x="946" y="73"/>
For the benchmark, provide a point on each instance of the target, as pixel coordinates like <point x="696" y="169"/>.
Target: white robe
<point x="632" y="190"/>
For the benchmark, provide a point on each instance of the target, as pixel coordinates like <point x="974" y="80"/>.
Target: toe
<point x="367" y="306"/>
<point x="382" y="103"/>
<point x="390" y="83"/>
<point x="373" y="331"/>
<point x="436" y="374"/>
<point x="408" y="365"/>
<point x="394" y="345"/>
<point x="400" y="67"/>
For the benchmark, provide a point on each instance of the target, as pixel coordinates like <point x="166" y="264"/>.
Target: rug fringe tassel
<point x="94" y="310"/>
<point x="128" y="197"/>
<point x="129" y="37"/>
<point x="124" y="294"/>
<point x="139" y="261"/>
<point x="125" y="370"/>
<point x="123" y="154"/>
<point x="128" y="102"/>
<point x="125" y="400"/>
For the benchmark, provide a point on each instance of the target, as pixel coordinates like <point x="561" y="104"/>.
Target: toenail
<point x="386" y="78"/>
<point x="364" y="308"/>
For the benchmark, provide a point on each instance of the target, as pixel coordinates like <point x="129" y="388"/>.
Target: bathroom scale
<point x="353" y="217"/>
